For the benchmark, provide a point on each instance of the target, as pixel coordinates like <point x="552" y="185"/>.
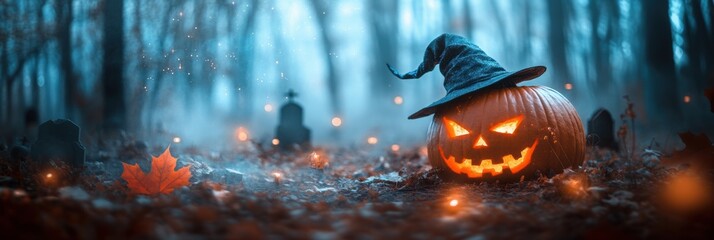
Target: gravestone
<point x="601" y="130"/>
<point x="291" y="132"/>
<point x="58" y="140"/>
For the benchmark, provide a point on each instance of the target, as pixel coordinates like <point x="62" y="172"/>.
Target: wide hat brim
<point x="508" y="78"/>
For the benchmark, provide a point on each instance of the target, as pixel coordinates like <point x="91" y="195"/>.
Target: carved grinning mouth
<point x="487" y="165"/>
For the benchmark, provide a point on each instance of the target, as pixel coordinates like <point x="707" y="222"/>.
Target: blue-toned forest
<point x="284" y="120"/>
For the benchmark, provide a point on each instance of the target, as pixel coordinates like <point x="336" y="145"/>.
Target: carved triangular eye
<point x="454" y="129"/>
<point x="509" y="126"/>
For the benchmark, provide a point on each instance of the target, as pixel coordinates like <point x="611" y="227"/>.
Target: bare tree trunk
<point x="280" y="50"/>
<point x="114" y="111"/>
<point x="4" y="69"/>
<point x="699" y="48"/>
<point x="20" y="111"/>
<point x="661" y="90"/>
<point x="15" y="53"/>
<point x="446" y="15"/>
<point x="383" y="20"/>
<point x="559" y="18"/>
<point x="194" y="81"/>
<point x="35" y="86"/>
<point x="4" y="62"/>
<point x="65" y="12"/>
<point x="158" y="75"/>
<point x="602" y="13"/>
<point x="138" y="98"/>
<point x="244" y="77"/>
<point x="711" y="22"/>
<point x="468" y="20"/>
<point x="698" y="73"/>
<point x="525" y="46"/>
<point x="36" y="68"/>
<point x="501" y="24"/>
<point x="200" y="35"/>
<point x="333" y="79"/>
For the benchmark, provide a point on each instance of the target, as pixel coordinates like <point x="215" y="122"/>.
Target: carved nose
<point x="480" y="143"/>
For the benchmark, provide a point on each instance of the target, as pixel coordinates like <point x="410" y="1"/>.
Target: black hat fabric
<point x="466" y="69"/>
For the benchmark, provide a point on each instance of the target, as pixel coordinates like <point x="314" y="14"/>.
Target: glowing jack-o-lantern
<point x="506" y="133"/>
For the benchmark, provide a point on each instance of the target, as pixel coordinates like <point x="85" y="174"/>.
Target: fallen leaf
<point x="698" y="152"/>
<point x="695" y="142"/>
<point x="161" y="179"/>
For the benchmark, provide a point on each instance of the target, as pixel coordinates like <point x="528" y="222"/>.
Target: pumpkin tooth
<point x="466" y="162"/>
<point x="486" y="163"/>
<point x="509" y="161"/>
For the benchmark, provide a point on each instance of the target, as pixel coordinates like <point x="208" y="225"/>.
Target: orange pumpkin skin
<point x="506" y="133"/>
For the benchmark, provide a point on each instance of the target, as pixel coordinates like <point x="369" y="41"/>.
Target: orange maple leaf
<point x="161" y="179"/>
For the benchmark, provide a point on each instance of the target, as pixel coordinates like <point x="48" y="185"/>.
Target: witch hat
<point x="466" y="69"/>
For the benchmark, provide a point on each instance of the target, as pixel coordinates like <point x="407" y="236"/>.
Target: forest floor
<point x="350" y="193"/>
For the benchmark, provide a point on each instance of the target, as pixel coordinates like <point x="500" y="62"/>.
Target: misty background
<point x="202" y="69"/>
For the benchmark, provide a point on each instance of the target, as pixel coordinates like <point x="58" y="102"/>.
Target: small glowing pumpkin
<point x="506" y="133"/>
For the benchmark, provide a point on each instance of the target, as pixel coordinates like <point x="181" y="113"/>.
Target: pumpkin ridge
<point x="574" y="120"/>
<point x="551" y="121"/>
<point x="572" y="124"/>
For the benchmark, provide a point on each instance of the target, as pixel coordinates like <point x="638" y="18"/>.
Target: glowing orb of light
<point x="336" y="121"/>
<point x="568" y="86"/>
<point x="241" y="134"/>
<point x="398" y="100"/>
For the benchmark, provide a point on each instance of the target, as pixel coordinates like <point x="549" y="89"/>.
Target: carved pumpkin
<point x="506" y="133"/>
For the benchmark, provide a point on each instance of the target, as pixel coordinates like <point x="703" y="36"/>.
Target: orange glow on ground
<point x="318" y="161"/>
<point x="423" y="151"/>
<point x="277" y="177"/>
<point x="454" y="203"/>
<point x="575" y="188"/>
<point x="687" y="191"/>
